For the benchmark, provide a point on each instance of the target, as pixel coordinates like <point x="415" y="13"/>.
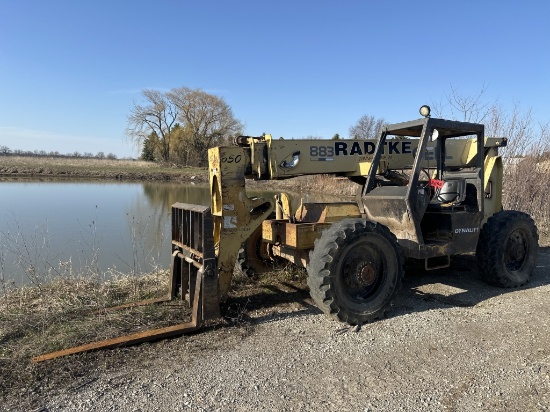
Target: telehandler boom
<point x="428" y="189"/>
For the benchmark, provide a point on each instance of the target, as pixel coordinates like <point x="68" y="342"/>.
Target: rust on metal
<point x="122" y="341"/>
<point x="134" y="338"/>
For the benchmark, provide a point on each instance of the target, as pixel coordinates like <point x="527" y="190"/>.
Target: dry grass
<point x="339" y="186"/>
<point x="55" y="162"/>
<point x="526" y="188"/>
<point x="66" y="312"/>
<point x="313" y="184"/>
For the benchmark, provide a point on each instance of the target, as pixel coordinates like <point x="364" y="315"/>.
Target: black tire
<point x="507" y="249"/>
<point x="355" y="271"/>
<point x="253" y="258"/>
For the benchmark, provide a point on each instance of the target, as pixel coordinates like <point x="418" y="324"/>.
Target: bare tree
<point x="367" y="127"/>
<point x="5" y="150"/>
<point x="206" y="120"/>
<point x="463" y="107"/>
<point x="517" y="125"/>
<point x="526" y="169"/>
<point x="158" y="115"/>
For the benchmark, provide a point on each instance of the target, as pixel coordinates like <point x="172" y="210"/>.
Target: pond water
<point x="50" y="228"/>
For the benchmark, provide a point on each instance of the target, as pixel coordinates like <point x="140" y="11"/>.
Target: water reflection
<point x="52" y="228"/>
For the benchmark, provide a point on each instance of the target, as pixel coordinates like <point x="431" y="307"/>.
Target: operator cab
<point x="432" y="212"/>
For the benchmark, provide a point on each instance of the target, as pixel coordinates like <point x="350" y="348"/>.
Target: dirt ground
<point x="450" y="342"/>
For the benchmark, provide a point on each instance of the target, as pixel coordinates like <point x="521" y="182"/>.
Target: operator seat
<point x="453" y="191"/>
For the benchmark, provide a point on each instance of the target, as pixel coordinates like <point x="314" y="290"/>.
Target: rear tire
<point x="507" y="249"/>
<point x="355" y="271"/>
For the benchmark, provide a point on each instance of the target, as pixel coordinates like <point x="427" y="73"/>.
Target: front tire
<point x="507" y="249"/>
<point x="254" y="257"/>
<point x="355" y="271"/>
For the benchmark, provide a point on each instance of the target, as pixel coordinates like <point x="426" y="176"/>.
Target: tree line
<point x="6" y="151"/>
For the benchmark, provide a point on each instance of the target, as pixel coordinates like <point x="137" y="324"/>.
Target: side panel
<point x="293" y="235"/>
<point x="492" y="186"/>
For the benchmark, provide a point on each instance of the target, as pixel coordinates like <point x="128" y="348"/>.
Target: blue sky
<point x="70" y="70"/>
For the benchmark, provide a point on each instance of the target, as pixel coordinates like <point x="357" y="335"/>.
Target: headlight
<point x="425" y="111"/>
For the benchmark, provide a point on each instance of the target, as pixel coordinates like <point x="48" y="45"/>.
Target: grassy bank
<point x="61" y="167"/>
<point x="67" y="312"/>
<point x="70" y="311"/>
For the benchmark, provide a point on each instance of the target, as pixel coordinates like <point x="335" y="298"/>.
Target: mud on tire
<point x="355" y="270"/>
<point x="507" y="249"/>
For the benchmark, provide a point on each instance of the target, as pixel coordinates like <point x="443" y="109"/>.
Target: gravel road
<point x="450" y="343"/>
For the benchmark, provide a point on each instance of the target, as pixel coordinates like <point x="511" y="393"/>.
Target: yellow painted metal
<point x="350" y="157"/>
<point x="259" y="166"/>
<point x="299" y="257"/>
<point x="294" y="235"/>
<point x="468" y="147"/>
<point x="492" y="186"/>
<point x="311" y="220"/>
<point x="235" y="215"/>
<point x="283" y="208"/>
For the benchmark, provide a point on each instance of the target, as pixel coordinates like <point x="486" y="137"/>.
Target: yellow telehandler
<point x="428" y="189"/>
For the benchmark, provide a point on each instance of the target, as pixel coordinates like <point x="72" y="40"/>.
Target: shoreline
<point x="43" y="173"/>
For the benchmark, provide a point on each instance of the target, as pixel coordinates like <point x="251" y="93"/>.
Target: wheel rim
<point x="516" y="250"/>
<point x="363" y="271"/>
